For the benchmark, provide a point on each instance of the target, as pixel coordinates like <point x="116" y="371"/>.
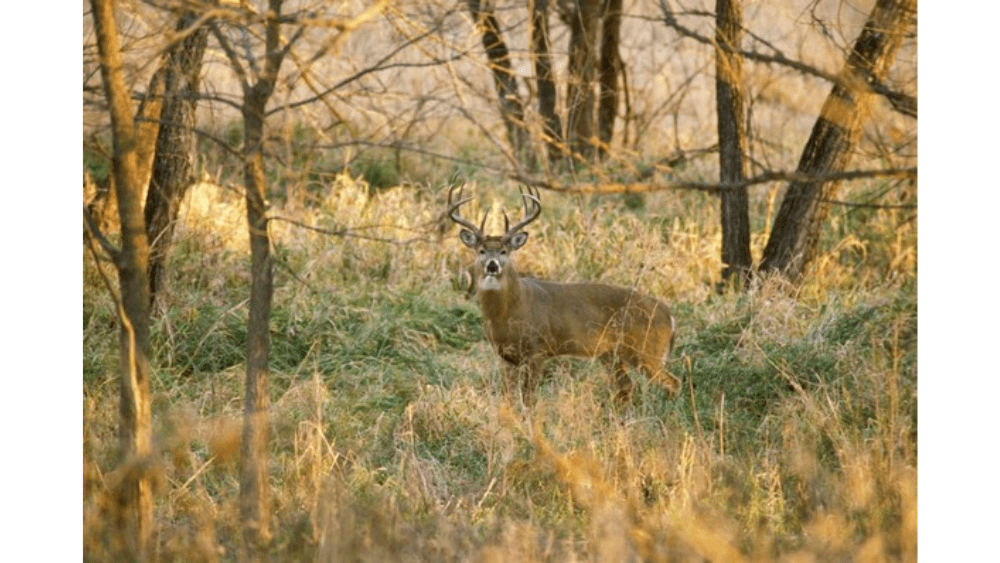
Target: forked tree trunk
<point x="104" y="203"/>
<point x="803" y="210"/>
<point x="729" y="97"/>
<point x="546" y="84"/>
<point x="171" y="171"/>
<point x="583" y="22"/>
<point x="511" y="108"/>
<point x="255" y="510"/>
<point x="610" y="69"/>
<point x="134" y="494"/>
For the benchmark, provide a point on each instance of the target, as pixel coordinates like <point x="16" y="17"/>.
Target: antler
<point x="453" y="211"/>
<point x="531" y="212"/>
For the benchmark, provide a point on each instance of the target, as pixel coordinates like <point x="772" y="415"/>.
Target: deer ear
<point x="468" y="238"/>
<point x="518" y="240"/>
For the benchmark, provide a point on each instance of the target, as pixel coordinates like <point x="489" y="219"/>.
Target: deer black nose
<point x="492" y="267"/>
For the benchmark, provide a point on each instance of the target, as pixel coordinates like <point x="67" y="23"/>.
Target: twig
<point x="234" y="59"/>
<point x="348" y="233"/>
<point x="767" y="177"/>
<point x="869" y="205"/>
<point x="94" y="233"/>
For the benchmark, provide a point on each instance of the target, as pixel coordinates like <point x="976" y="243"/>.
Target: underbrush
<point x="794" y="437"/>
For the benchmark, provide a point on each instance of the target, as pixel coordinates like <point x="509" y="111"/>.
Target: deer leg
<point x="532" y="373"/>
<point x="622" y="382"/>
<point x="670" y="382"/>
<point x="510" y="379"/>
<point x="619" y="368"/>
<point x="661" y="377"/>
<point x="520" y="380"/>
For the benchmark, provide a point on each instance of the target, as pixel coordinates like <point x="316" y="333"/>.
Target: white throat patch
<point x="489" y="283"/>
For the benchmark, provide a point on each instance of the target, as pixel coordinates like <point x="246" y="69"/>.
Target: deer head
<point x="494" y="253"/>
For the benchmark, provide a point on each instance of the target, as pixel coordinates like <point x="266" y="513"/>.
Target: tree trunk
<point x="610" y="67"/>
<point x="134" y="494"/>
<point x="254" y="507"/>
<point x="103" y="204"/>
<point x="147" y="128"/>
<point x="803" y="210"/>
<point x="583" y="22"/>
<point x="540" y="52"/>
<point x="511" y="108"/>
<point x="254" y="489"/>
<point x="729" y="97"/>
<point x="171" y="171"/>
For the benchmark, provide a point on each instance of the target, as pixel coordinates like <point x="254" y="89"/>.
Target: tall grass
<point x="794" y="438"/>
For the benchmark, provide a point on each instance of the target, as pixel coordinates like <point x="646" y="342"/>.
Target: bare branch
<point x="901" y="102"/>
<point x="347" y="232"/>
<point x="345" y="26"/>
<point x="94" y="232"/>
<point x="377" y="67"/>
<point x="288" y="45"/>
<point x="869" y="205"/>
<point x="93" y="235"/>
<point x="768" y="177"/>
<point x="234" y="59"/>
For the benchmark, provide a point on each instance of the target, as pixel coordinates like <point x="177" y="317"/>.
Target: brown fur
<point x="528" y="320"/>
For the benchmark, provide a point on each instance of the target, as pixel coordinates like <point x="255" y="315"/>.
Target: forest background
<point x="939" y="395"/>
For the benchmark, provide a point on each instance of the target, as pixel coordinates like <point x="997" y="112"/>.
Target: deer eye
<point x="503" y="252"/>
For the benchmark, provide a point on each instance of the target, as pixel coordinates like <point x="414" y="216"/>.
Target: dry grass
<point x="794" y="439"/>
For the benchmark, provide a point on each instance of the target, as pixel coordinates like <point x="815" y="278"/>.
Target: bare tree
<point x="258" y="85"/>
<point x="583" y="18"/>
<point x="804" y="208"/>
<point x="133" y="490"/>
<point x="171" y="168"/>
<point x="545" y="77"/>
<point x="511" y="107"/>
<point x="729" y="99"/>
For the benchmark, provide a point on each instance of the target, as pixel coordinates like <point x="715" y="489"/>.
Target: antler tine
<point x="533" y="195"/>
<point x="453" y="210"/>
<point x="530" y="212"/>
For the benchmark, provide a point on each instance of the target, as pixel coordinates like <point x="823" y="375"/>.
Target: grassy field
<point x="794" y="437"/>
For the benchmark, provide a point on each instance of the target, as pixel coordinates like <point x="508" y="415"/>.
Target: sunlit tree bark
<point x="797" y="226"/>
<point x="504" y="79"/>
<point x="729" y="99"/>
<point x="172" y="162"/>
<point x="132" y="487"/>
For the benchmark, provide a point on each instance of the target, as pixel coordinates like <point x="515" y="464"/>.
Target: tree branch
<point x="234" y="59"/>
<point x="377" y="67"/>
<point x="715" y="188"/>
<point x="901" y="102"/>
<point x="94" y="232"/>
<point x="351" y="233"/>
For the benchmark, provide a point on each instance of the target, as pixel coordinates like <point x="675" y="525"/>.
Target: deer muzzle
<point x="492" y="268"/>
<point x="491" y="276"/>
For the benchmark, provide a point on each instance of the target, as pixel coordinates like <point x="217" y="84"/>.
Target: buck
<point x="528" y="320"/>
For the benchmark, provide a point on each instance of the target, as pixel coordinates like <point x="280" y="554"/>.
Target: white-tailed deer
<point x="528" y="320"/>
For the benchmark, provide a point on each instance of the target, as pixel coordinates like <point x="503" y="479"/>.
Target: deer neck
<point x="498" y="304"/>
